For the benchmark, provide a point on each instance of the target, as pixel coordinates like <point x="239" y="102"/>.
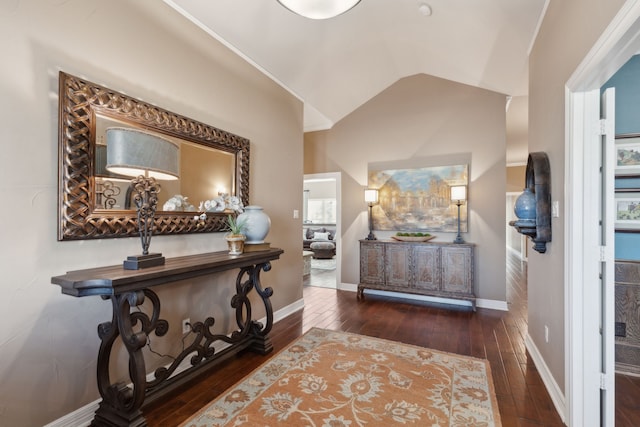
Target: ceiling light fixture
<point x="424" y="9"/>
<point x="318" y="9"/>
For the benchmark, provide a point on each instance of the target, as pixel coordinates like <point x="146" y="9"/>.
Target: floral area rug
<point x="332" y="379"/>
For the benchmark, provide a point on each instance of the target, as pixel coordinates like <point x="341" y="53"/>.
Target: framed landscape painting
<point x="419" y="199"/>
<point x="627" y="212"/>
<point x="627" y="156"/>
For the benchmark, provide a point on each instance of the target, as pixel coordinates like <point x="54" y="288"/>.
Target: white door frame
<point x="619" y="42"/>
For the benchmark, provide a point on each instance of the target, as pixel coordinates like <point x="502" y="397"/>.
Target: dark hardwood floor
<point x="495" y="335"/>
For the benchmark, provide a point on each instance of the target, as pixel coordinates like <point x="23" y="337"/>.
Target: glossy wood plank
<point x="495" y="335"/>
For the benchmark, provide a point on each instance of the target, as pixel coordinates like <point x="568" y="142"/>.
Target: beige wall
<point x="48" y="341"/>
<point x="568" y="32"/>
<point x="517" y="130"/>
<point x="515" y="179"/>
<point x="423" y="121"/>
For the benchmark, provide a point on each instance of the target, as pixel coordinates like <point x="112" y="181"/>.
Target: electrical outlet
<point x="186" y="325"/>
<point x="546" y="333"/>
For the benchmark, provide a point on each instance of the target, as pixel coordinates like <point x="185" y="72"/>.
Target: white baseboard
<point x="493" y="304"/>
<point x="79" y="418"/>
<point x="480" y="302"/>
<point x="285" y="311"/>
<point x="83" y="416"/>
<point x="557" y="395"/>
<point x="348" y="287"/>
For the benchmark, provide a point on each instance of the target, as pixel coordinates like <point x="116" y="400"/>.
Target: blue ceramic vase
<point x="525" y="207"/>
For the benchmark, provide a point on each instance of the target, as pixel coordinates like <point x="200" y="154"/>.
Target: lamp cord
<point x="148" y="345"/>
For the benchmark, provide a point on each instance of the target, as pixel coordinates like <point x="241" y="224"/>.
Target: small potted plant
<point x="235" y="237"/>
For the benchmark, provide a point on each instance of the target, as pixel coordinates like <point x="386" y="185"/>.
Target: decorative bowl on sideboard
<point x="413" y="238"/>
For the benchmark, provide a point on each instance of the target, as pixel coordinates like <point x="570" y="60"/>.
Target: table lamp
<point x="458" y="197"/>
<point x="146" y="157"/>
<point x="371" y="197"/>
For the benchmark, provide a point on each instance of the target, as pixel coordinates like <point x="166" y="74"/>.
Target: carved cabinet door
<point x="457" y="269"/>
<point x="398" y="264"/>
<point x="426" y="267"/>
<point x="372" y="263"/>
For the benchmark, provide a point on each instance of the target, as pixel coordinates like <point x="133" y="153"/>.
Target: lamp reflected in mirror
<point x="458" y="197"/>
<point x="146" y="157"/>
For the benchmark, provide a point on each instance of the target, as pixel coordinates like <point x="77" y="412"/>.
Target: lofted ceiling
<point x="336" y="65"/>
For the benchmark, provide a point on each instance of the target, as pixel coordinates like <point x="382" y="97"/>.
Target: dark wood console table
<point x="121" y="404"/>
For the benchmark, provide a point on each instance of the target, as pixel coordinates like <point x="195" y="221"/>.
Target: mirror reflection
<point x="206" y="173"/>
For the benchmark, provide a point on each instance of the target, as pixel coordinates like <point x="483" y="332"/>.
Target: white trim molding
<point x="348" y="287"/>
<point x="557" y="397"/>
<point x="492" y="304"/>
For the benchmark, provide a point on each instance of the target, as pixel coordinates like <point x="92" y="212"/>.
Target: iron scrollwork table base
<point x="122" y="404"/>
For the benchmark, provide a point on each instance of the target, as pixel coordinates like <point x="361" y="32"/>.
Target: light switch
<point x="555" y="209"/>
<point x="296" y="214"/>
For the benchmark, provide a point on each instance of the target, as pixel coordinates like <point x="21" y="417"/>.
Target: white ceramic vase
<point x="257" y="224"/>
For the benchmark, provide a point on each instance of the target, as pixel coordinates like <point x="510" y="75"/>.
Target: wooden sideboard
<point x="121" y="403"/>
<point x="443" y="270"/>
<point x="627" y="321"/>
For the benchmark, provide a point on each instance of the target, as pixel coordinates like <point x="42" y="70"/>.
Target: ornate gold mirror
<point x="94" y="203"/>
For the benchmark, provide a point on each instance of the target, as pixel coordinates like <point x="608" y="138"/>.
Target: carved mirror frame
<point x="78" y="216"/>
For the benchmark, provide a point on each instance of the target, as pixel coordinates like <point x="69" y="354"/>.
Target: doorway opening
<point x="321" y="229"/>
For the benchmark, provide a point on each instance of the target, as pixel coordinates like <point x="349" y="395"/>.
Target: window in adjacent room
<point x="321" y="211"/>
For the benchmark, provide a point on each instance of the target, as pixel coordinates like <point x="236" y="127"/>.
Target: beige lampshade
<point x="133" y="152"/>
<point x="459" y="193"/>
<point x="371" y="196"/>
<point x="319" y="9"/>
